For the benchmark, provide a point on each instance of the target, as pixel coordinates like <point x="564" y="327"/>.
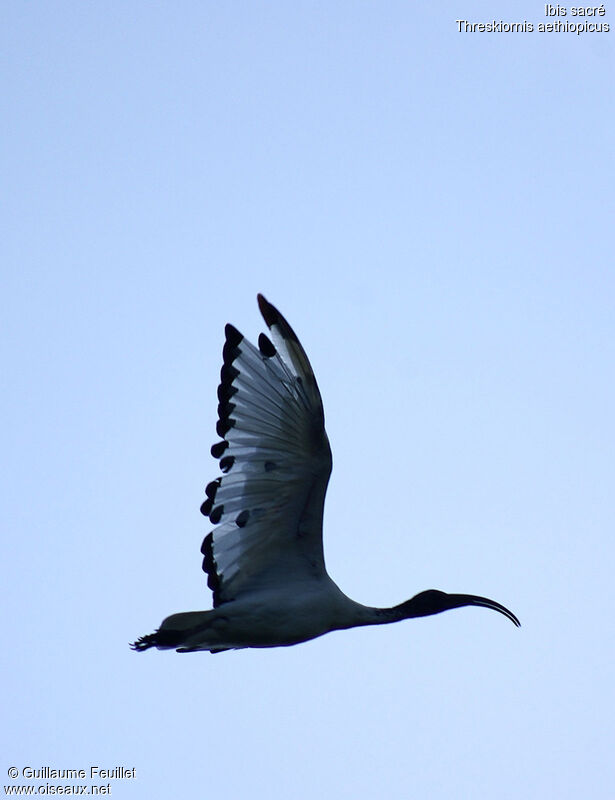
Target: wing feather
<point x="276" y="461"/>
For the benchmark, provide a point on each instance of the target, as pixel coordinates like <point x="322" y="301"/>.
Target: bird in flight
<point x="264" y="558"/>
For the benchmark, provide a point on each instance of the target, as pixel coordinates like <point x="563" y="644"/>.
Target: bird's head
<point x="433" y="601"/>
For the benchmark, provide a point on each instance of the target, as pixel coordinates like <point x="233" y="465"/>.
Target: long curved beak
<point x="459" y="600"/>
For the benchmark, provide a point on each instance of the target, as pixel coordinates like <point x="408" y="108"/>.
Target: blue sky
<point x="433" y="212"/>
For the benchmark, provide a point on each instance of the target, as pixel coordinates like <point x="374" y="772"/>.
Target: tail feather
<point x="175" y="632"/>
<point x="144" y="642"/>
<point x="161" y="639"/>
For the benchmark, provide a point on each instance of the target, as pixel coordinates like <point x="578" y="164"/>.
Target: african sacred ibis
<point x="264" y="559"/>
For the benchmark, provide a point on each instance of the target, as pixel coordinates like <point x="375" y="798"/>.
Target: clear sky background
<point x="433" y="212"/>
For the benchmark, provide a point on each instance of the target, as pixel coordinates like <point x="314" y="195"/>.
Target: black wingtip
<point x="210" y="569"/>
<point x="272" y="317"/>
<point x="269" y="312"/>
<point x="218" y="448"/>
<point x="266" y="346"/>
<point x="233" y="336"/>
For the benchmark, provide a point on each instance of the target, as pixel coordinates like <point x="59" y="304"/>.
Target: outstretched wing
<point x="276" y="461"/>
